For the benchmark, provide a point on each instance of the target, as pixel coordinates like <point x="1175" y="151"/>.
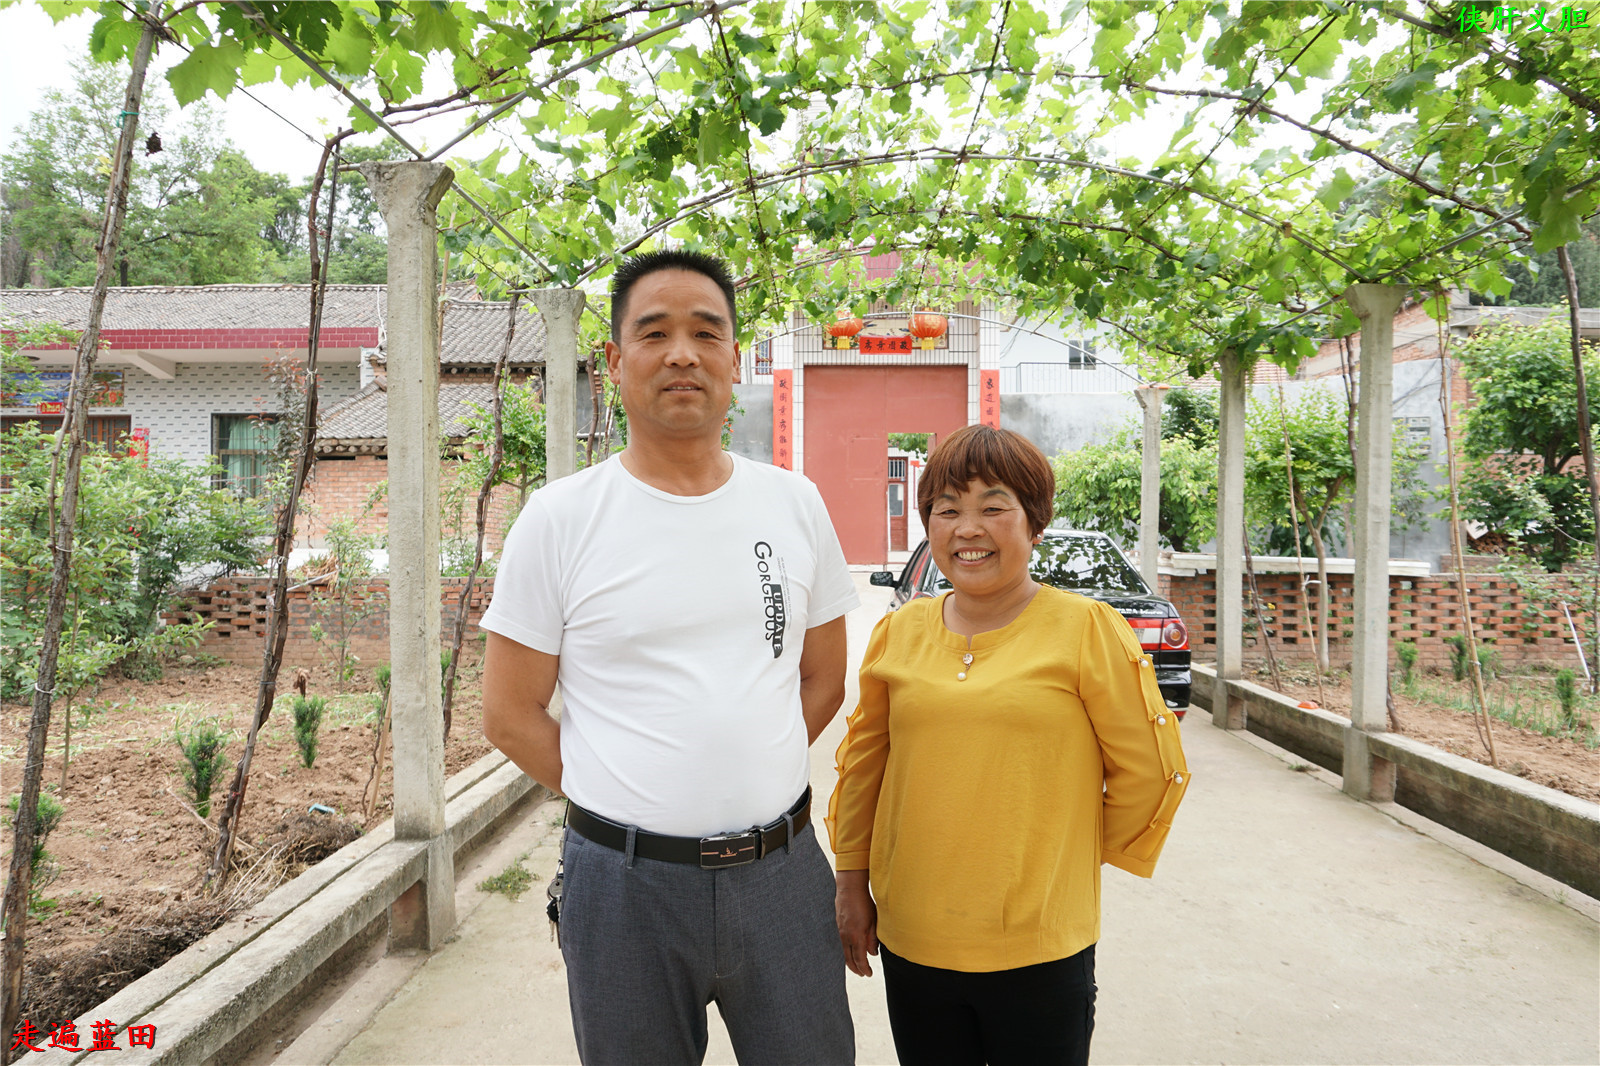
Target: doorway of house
<point x="849" y="413"/>
<point x="908" y="452"/>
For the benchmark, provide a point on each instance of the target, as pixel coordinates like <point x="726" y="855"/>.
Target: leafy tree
<point x="1537" y="281"/>
<point x="1191" y="413"/>
<point x="1521" y="437"/>
<point x="1324" y="476"/>
<point x="149" y="527"/>
<point x="915" y="443"/>
<point x="198" y="211"/>
<point x="1097" y="487"/>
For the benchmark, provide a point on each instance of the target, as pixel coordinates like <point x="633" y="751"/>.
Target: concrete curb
<point x="1544" y="828"/>
<point x="213" y="993"/>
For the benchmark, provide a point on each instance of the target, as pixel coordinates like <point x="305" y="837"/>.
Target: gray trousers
<point x="648" y="945"/>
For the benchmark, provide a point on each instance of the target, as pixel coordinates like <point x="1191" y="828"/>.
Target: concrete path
<point x="1286" y="924"/>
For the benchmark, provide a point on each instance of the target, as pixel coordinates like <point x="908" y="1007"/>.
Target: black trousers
<point x="1030" y="1015"/>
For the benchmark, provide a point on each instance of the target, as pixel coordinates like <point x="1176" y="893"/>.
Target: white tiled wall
<point x="178" y="412"/>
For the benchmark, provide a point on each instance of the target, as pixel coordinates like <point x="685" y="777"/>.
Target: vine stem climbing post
<point x="1485" y="729"/>
<point x="1150" y="397"/>
<point x="408" y="195"/>
<point x="1366" y="776"/>
<point x="19" y="883"/>
<point x="561" y="309"/>
<point x="1227" y="709"/>
<point x="1586" y="442"/>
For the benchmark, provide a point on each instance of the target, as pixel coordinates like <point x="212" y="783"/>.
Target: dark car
<point x="1092" y="565"/>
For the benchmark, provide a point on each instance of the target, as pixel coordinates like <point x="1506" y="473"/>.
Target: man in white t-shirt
<point x="691" y="603"/>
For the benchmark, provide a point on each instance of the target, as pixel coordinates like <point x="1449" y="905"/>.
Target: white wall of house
<point x="178" y="412"/>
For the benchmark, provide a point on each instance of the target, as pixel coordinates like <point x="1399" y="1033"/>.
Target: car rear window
<point x="1084" y="563"/>
<point x="1071" y="563"/>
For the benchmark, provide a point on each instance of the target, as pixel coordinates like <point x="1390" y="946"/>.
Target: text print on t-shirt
<point x="771" y="594"/>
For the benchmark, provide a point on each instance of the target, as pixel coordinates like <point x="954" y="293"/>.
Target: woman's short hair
<point x="995" y="456"/>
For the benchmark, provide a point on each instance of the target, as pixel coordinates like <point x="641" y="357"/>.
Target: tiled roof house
<point x="185" y="368"/>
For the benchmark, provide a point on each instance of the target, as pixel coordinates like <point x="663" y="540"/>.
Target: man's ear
<point x="613" y="362"/>
<point x="738" y="363"/>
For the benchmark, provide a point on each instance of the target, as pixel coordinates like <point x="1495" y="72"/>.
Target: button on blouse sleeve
<point x="1145" y="772"/>
<point x="860" y="760"/>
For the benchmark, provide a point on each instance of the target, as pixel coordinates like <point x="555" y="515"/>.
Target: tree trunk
<point x="1486" y="731"/>
<point x="485" y="493"/>
<point x="1322" y="597"/>
<point x="278" y="597"/>
<point x="1261" y="622"/>
<point x="1586" y="441"/>
<point x="20" y="882"/>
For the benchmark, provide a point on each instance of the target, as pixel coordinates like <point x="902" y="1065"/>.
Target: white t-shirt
<point x="679" y="621"/>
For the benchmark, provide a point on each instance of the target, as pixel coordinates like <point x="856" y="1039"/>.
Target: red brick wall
<point x="1522" y="628"/>
<point x="237" y="607"/>
<point x="341" y="486"/>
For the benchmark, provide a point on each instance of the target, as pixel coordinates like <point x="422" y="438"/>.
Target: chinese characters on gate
<point x="66" y="1035"/>
<point x="1505" y="18"/>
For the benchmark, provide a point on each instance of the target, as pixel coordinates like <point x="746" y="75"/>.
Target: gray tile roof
<point x="199" y="306"/>
<point x="475" y="331"/>
<point x="363" y="417"/>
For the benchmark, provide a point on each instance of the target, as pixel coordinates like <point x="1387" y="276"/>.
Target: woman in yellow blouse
<point x="1010" y="738"/>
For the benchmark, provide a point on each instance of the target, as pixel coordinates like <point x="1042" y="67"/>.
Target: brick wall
<point x="1523" y="628"/>
<point x="341" y="486"/>
<point x="237" y="607"/>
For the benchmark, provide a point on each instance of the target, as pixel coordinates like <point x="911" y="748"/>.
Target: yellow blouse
<point x="977" y="805"/>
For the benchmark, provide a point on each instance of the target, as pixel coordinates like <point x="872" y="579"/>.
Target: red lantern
<point x="927" y="328"/>
<point x="844" y="329"/>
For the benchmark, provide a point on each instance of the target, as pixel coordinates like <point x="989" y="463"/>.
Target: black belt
<point x="713" y="852"/>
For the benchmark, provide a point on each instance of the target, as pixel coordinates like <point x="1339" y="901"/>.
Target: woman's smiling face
<point x="980" y="538"/>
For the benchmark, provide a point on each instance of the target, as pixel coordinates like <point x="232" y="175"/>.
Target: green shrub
<point x="202" y="744"/>
<point x="1488" y="660"/>
<point x="1567" y="694"/>
<point x="47" y="815"/>
<point x="1406" y="652"/>
<point x="307" y="720"/>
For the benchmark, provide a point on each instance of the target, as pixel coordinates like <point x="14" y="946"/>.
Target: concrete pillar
<point x="1150" y="397"/>
<point x="561" y="309"/>
<point x="1227" y="709"/>
<point x="1366" y="776"/>
<point x="408" y="194"/>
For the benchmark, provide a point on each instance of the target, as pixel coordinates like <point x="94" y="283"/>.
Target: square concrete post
<point x="1227" y="709"/>
<point x="408" y="194"/>
<point x="561" y="309"/>
<point x="1365" y="775"/>
<point x="1150" y="397"/>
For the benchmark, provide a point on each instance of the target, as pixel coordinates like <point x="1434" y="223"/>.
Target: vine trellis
<point x="774" y="130"/>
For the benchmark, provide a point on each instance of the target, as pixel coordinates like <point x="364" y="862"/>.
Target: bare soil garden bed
<point x="130" y="851"/>
<point x="1427" y="713"/>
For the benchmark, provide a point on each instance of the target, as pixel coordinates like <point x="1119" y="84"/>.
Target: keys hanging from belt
<point x="552" y="909"/>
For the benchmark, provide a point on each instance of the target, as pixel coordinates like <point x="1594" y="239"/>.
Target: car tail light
<point x="1160" y="632"/>
<point x="1148" y="630"/>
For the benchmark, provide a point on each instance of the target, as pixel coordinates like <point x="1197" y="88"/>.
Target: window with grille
<point x="897" y="469"/>
<point x="245" y="447"/>
<point x="107" y="431"/>
<point x="763" y="357"/>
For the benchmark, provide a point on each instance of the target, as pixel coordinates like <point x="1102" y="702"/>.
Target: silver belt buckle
<point x="730" y="849"/>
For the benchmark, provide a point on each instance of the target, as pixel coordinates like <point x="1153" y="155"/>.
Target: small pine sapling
<point x="1567" y="695"/>
<point x="307" y="721"/>
<point x="204" y="763"/>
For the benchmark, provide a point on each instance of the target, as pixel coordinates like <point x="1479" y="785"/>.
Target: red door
<point x="849" y="411"/>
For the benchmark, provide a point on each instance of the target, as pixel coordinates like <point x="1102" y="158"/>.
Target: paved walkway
<point x="1286" y="924"/>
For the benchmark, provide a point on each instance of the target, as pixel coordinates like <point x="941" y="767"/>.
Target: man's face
<point x="676" y="360"/>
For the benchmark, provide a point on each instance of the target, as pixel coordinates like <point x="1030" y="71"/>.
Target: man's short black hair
<point x="632" y="270"/>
